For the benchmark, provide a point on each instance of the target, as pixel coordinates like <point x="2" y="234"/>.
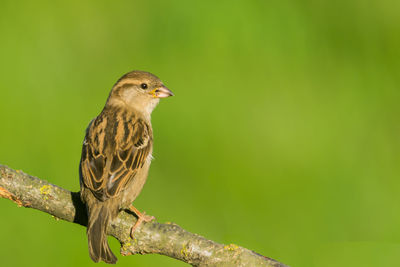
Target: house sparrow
<point x="116" y="156"/>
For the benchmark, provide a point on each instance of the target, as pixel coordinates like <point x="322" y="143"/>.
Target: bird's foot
<point x="142" y="217"/>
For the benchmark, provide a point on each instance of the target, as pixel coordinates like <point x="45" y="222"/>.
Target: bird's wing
<point x="110" y="160"/>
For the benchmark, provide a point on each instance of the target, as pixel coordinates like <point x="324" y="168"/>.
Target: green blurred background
<point x="282" y="137"/>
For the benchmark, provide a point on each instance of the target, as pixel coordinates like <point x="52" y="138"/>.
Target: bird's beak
<point x="161" y="92"/>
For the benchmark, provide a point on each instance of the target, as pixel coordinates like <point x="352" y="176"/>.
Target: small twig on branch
<point x="166" y="239"/>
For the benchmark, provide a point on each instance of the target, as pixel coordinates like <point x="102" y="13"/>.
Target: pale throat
<point x="144" y="105"/>
<point x="138" y="104"/>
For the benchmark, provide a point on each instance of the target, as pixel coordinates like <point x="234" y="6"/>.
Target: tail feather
<point x="99" y="217"/>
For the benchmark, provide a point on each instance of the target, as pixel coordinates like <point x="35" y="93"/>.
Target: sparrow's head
<point x="138" y="90"/>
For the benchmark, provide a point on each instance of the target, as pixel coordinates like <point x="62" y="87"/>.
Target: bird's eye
<point x="143" y="85"/>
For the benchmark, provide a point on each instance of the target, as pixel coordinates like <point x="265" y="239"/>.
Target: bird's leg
<point x="142" y="217"/>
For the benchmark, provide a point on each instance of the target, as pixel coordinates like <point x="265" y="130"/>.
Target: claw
<point x="142" y="217"/>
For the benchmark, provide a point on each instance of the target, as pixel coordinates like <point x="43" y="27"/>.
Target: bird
<point x="116" y="156"/>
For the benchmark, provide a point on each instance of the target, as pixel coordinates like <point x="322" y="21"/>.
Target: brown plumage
<point x="116" y="156"/>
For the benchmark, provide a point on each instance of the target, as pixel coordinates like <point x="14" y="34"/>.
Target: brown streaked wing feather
<point x="130" y="154"/>
<point x="93" y="161"/>
<point x="106" y="174"/>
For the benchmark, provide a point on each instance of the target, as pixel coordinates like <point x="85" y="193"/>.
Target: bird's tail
<point x="99" y="215"/>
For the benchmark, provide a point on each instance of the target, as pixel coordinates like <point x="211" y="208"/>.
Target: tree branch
<point x="167" y="239"/>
